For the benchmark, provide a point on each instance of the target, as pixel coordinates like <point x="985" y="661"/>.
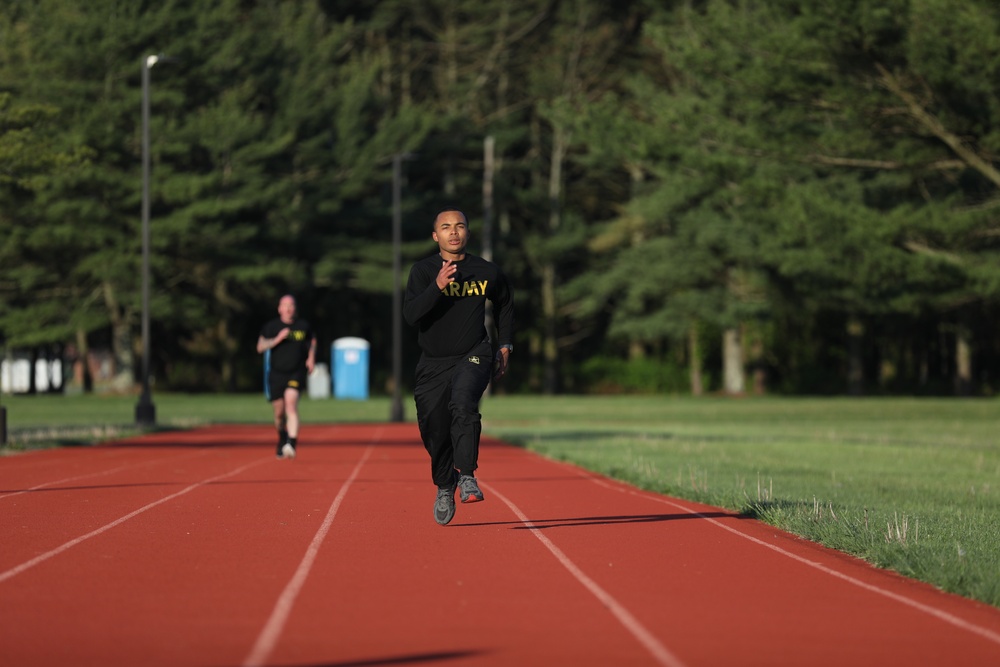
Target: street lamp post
<point x="397" y="306"/>
<point x="145" y="411"/>
<point x="3" y="421"/>
<point x="396" y="413"/>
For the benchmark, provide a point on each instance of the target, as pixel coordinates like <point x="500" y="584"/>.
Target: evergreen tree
<point x="34" y="281"/>
<point x="86" y="242"/>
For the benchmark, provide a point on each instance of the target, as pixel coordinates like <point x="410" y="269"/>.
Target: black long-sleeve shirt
<point x="450" y="322"/>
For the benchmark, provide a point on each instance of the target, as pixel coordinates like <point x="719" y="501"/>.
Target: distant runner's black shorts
<point x="277" y="382"/>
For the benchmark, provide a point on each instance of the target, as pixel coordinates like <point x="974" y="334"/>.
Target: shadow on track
<point x="429" y="658"/>
<point x="543" y="524"/>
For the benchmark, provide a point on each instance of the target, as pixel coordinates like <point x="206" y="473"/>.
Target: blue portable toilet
<point x="350" y="368"/>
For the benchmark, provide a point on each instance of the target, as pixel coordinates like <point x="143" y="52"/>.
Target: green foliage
<point x="660" y="169"/>
<point x="775" y="171"/>
<point x="30" y="162"/>
<point x="610" y="375"/>
<point x="27" y="156"/>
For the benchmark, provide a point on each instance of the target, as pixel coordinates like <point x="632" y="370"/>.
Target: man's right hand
<point x="448" y="269"/>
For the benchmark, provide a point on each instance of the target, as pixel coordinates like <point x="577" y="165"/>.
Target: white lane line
<point x="271" y="632"/>
<point x="631" y="623"/>
<point x="13" y="572"/>
<point x="951" y="619"/>
<point x="100" y="473"/>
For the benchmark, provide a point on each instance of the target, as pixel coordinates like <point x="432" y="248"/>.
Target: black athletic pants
<point x="447" y="394"/>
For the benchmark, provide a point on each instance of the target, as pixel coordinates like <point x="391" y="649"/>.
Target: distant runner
<point x="289" y="346"/>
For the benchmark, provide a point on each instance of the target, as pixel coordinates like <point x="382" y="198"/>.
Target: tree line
<point x="689" y="195"/>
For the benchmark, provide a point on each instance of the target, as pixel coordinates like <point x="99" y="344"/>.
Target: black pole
<point x="145" y="411"/>
<point x="397" y="304"/>
<point x="3" y="414"/>
<point x="488" y="147"/>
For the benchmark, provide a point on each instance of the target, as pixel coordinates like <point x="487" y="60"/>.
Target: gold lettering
<point x="473" y="288"/>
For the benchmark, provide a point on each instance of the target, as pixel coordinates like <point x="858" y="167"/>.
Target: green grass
<point x="907" y="484"/>
<point x="35" y="422"/>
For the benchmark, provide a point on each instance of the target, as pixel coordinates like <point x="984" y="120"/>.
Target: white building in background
<point x="15" y="375"/>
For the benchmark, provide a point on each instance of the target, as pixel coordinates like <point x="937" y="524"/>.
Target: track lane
<point x="88" y="503"/>
<point x="391" y="586"/>
<point x="711" y="581"/>
<point x="188" y="581"/>
<point x="195" y="579"/>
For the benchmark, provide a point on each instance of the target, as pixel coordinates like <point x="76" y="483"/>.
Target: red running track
<point x="200" y="548"/>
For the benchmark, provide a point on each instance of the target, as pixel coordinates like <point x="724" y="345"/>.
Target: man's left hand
<point x="500" y="363"/>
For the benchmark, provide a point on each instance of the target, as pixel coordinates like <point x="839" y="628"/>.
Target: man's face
<point x="286" y="309"/>
<point x="451" y="232"/>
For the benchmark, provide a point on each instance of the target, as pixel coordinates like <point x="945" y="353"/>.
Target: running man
<point x="445" y="300"/>
<point x="291" y="343"/>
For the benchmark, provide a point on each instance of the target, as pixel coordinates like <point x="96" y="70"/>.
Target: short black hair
<point x="447" y="209"/>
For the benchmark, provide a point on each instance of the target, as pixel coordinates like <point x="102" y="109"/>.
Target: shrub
<point x="608" y="375"/>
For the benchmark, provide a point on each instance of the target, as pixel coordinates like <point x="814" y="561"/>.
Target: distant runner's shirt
<point x="290" y="354"/>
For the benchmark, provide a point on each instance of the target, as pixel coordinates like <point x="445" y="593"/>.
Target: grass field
<point x="907" y="484"/>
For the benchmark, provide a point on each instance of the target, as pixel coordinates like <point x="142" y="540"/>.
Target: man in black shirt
<point x="292" y="347"/>
<point x="445" y="300"/>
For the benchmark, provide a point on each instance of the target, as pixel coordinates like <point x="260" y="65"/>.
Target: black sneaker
<point x="444" y="504"/>
<point x="468" y="489"/>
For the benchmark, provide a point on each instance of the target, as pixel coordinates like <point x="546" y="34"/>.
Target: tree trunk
<point x="121" y="342"/>
<point x="550" y="350"/>
<point x="694" y="356"/>
<point x="734" y="379"/>
<point x="758" y="365"/>
<point x="227" y="367"/>
<point x="84" y="376"/>
<point x="33" y="372"/>
<point x="855" y="362"/>
<point x="963" y="362"/>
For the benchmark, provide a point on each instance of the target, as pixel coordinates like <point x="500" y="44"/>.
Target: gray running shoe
<point x="468" y="489"/>
<point x="444" y="505"/>
<point x="287" y="451"/>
